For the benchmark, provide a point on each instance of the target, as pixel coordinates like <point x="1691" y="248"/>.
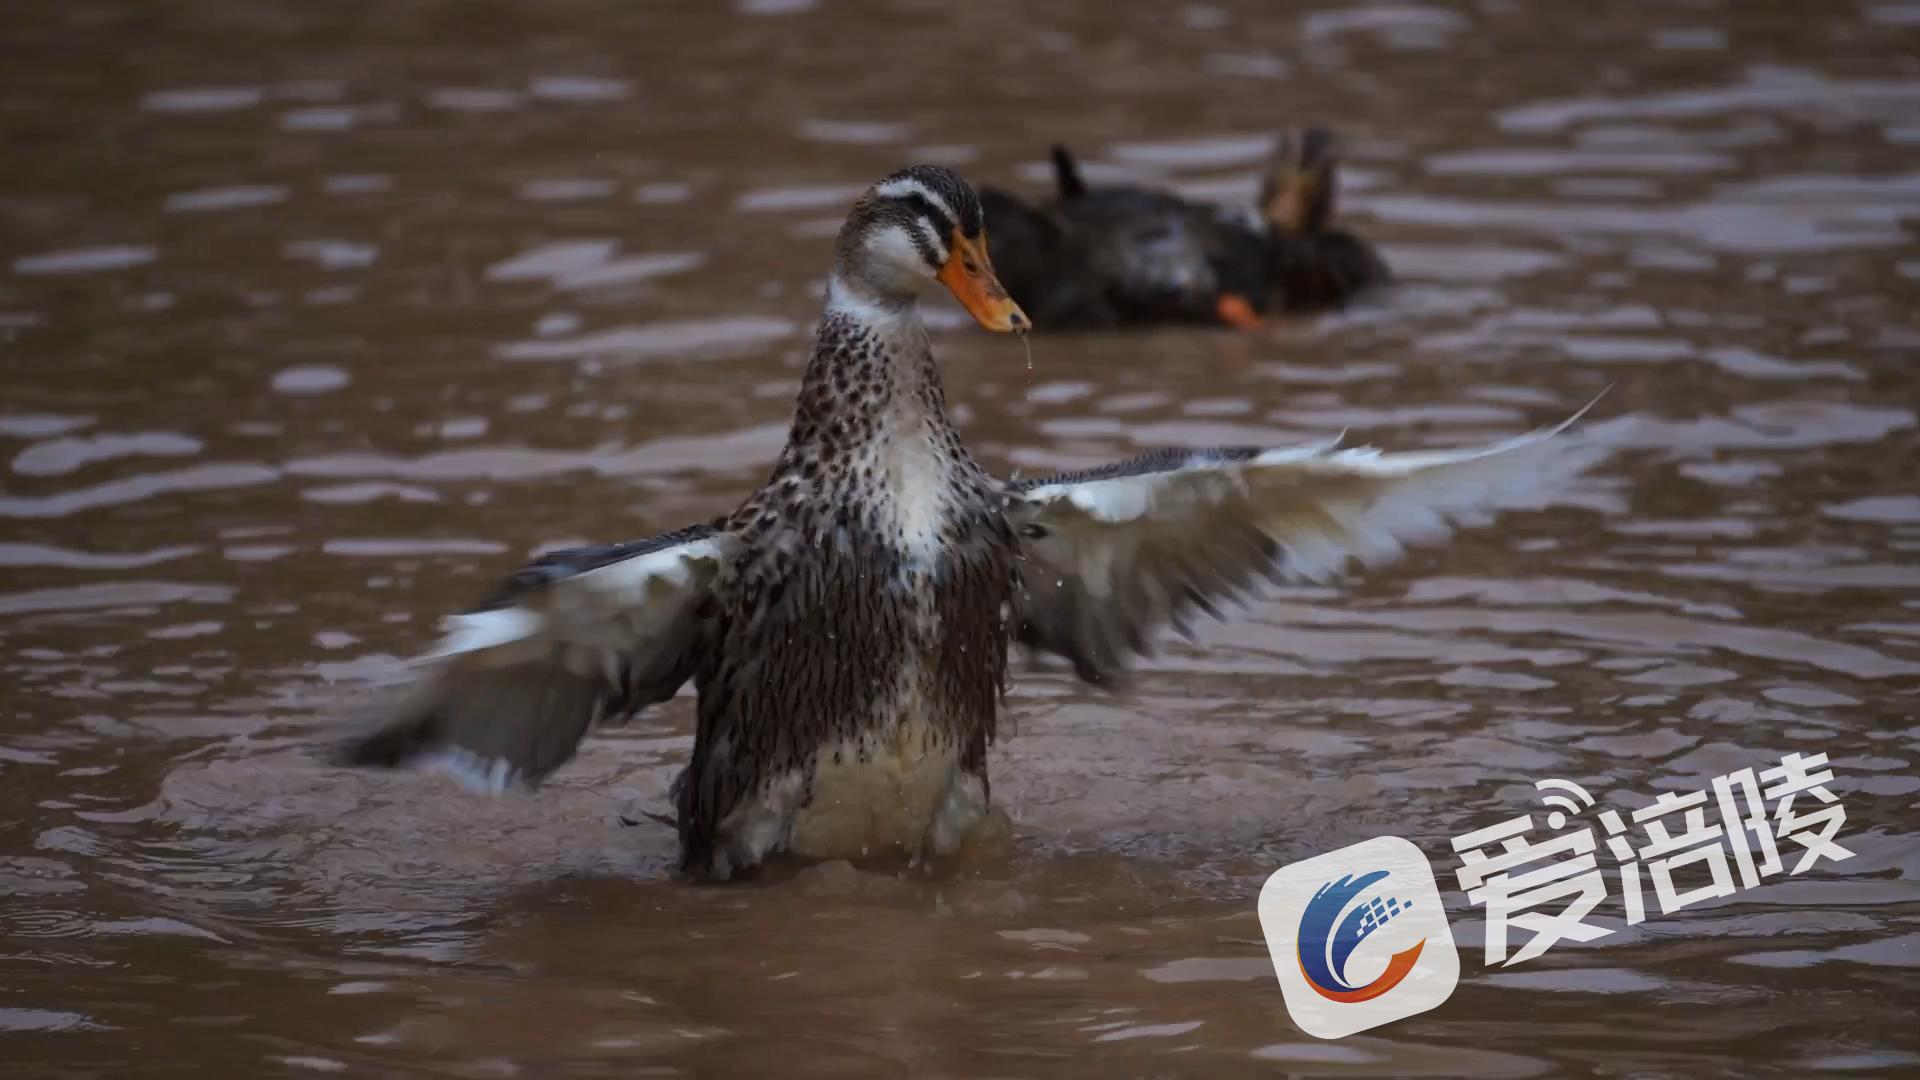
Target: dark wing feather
<point x="1319" y="271"/>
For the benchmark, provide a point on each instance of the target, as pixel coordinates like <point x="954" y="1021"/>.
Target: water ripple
<point x="662" y="340"/>
<point x="47" y="555"/>
<point x="137" y="489"/>
<point x="111" y="595"/>
<point x="1766" y="90"/>
<point x="85" y="260"/>
<point x="66" y="455"/>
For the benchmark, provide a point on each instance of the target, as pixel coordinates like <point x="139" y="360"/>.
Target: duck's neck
<point x="872" y="375"/>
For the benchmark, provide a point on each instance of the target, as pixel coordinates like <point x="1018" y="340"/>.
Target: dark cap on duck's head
<point x="924" y="223"/>
<point x="1297" y="194"/>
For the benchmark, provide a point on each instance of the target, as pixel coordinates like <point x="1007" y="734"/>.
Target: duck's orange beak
<point x="1234" y="310"/>
<point x="969" y="275"/>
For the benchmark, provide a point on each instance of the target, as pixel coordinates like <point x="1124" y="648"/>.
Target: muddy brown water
<point x="316" y="318"/>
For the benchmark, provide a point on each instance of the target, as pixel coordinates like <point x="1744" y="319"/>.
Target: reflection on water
<point x="314" y="328"/>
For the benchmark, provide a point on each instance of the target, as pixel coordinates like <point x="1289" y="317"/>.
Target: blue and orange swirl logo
<point x="1323" y="950"/>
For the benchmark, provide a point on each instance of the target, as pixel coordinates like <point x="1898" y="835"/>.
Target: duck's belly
<point x="897" y="792"/>
<point x="859" y="728"/>
<point x="900" y="791"/>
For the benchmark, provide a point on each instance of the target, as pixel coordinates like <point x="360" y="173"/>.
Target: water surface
<point x="316" y="321"/>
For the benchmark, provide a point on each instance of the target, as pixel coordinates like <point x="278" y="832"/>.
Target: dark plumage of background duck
<point x="1117" y="255"/>
<point x="1096" y="258"/>
<point x="1048" y="264"/>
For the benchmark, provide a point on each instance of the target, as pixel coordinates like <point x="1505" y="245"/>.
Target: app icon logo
<point x="1323" y="952"/>
<point x="1358" y="937"/>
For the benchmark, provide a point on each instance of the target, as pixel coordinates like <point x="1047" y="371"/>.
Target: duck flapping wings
<point x="1112" y="557"/>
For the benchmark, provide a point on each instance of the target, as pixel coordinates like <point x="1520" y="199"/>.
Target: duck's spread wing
<point x="1115" y="553"/>
<point x="576" y="637"/>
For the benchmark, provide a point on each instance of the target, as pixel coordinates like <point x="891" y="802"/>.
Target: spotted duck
<point x="847" y="629"/>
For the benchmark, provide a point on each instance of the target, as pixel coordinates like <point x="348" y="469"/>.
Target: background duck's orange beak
<point x="1234" y="310"/>
<point x="969" y="275"/>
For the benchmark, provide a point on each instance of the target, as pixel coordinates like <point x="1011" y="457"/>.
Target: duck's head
<point x="1297" y="192"/>
<point x="921" y="225"/>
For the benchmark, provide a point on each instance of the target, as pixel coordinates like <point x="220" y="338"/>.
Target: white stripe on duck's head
<point x="919" y="225"/>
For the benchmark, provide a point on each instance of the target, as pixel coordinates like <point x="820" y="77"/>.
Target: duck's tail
<point x="1066" y="173"/>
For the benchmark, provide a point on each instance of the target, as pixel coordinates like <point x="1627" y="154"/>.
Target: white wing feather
<point x="574" y="638"/>
<point x="1116" y="552"/>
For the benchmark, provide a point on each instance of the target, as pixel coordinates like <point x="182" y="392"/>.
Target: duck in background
<point x="1311" y="265"/>
<point x="1098" y="257"/>
<point x="1047" y="264"/>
